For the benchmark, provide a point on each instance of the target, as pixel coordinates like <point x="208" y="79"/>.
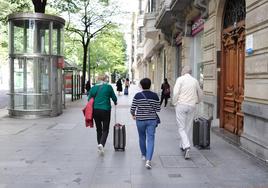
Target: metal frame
<point x="53" y="103"/>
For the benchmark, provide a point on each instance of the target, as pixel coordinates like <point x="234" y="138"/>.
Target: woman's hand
<point x="134" y="117"/>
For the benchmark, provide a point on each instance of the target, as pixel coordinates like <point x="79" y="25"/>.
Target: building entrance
<point x="232" y="67"/>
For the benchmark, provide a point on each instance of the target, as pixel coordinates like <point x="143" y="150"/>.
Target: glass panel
<point x="31" y="36"/>
<point x="30" y="102"/>
<point x="44" y="82"/>
<point x="57" y="39"/>
<point x="42" y="33"/>
<point x="235" y="11"/>
<point x="18" y="102"/>
<point x="44" y="69"/>
<point x="31" y="83"/>
<point x="18" y="37"/>
<point x="200" y="75"/>
<point x="62" y="40"/>
<point x="18" y="75"/>
<point x="30" y="76"/>
<point x="197" y="65"/>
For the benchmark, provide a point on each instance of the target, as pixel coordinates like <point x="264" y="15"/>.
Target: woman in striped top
<point x="143" y="109"/>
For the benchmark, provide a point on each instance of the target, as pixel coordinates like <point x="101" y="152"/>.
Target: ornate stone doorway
<point x="232" y="66"/>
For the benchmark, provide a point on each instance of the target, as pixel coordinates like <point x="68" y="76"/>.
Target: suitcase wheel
<point x="119" y="149"/>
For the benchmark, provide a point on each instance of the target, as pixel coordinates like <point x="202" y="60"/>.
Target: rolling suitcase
<point x="119" y="136"/>
<point x="126" y="91"/>
<point x="201" y="133"/>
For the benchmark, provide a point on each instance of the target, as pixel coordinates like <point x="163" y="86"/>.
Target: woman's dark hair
<point x="145" y="83"/>
<point x="165" y="80"/>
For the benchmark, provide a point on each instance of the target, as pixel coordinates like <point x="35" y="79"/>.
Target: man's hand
<point x="134" y="117"/>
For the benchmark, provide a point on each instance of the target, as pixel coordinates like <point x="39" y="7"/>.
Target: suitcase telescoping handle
<point x="114" y="114"/>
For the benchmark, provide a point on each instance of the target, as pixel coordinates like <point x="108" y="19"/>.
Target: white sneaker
<point x="148" y="164"/>
<point x="100" y="149"/>
<point x="143" y="158"/>
<point x="187" y="154"/>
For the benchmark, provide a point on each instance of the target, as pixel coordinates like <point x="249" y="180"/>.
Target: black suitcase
<point x="126" y="91"/>
<point x="119" y="137"/>
<point x="201" y="133"/>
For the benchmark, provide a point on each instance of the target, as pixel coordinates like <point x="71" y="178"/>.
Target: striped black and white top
<point x="142" y="109"/>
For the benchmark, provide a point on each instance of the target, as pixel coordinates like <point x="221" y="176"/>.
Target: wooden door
<point x="232" y="80"/>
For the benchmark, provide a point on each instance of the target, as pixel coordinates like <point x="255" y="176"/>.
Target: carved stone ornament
<point x="202" y="5"/>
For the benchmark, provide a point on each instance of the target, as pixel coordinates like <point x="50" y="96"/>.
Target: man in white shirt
<point x="186" y="94"/>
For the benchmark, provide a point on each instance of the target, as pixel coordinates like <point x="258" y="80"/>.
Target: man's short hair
<point x="186" y="70"/>
<point x="145" y="83"/>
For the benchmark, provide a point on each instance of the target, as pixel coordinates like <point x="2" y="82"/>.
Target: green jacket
<point x="102" y="101"/>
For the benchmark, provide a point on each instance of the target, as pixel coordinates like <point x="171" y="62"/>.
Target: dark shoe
<point x="187" y="154"/>
<point x="182" y="149"/>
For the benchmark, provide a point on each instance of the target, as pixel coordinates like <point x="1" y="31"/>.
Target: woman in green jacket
<point x="102" y="93"/>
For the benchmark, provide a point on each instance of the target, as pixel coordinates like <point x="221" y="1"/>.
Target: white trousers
<point x="184" y="116"/>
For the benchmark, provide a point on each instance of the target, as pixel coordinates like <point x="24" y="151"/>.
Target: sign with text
<point x="198" y="26"/>
<point x="249" y="44"/>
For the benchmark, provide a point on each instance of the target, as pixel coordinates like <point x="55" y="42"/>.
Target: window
<point x="235" y="11"/>
<point x="140" y="7"/>
<point x="140" y="34"/>
<point x="151" y="6"/>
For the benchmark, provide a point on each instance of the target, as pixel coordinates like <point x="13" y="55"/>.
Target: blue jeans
<point x="146" y="130"/>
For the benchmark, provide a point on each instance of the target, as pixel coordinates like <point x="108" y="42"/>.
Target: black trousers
<point x="162" y="98"/>
<point x="102" y="120"/>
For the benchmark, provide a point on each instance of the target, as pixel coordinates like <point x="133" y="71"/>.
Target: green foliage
<point x="73" y="49"/>
<point x="108" y="51"/>
<point x="89" y="20"/>
<point x="12" y="6"/>
<point x="8" y="7"/>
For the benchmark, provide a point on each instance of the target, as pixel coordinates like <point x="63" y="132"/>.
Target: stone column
<point x="209" y="61"/>
<point x="255" y="106"/>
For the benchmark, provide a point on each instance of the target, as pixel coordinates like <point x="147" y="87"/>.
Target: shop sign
<point x="68" y="82"/>
<point x="197" y="26"/>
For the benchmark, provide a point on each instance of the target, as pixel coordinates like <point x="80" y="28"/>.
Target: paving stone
<point x="64" y="126"/>
<point x="60" y="152"/>
<point x="176" y="162"/>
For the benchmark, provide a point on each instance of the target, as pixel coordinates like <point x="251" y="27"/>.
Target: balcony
<point x="151" y="46"/>
<point x="164" y="18"/>
<point x="179" y="6"/>
<point x="139" y="51"/>
<point x="149" y="25"/>
<point x="140" y="21"/>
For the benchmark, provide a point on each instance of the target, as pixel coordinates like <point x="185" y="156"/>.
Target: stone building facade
<point x="225" y="42"/>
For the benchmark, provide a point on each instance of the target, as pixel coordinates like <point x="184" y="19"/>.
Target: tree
<point x="87" y="18"/>
<point x="8" y="7"/>
<point x="108" y="52"/>
<point x="39" y="5"/>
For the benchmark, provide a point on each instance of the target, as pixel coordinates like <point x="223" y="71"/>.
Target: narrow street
<point x="60" y="152"/>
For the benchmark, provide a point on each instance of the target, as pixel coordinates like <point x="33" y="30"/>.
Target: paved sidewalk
<point x="60" y="152"/>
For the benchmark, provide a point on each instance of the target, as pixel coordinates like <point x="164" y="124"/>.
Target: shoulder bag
<point x="157" y="117"/>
